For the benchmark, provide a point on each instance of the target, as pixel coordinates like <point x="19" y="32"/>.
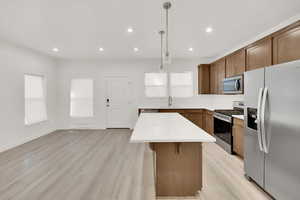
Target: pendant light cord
<point x="167" y="32"/>
<point x="167" y="6"/>
<point x="161" y="50"/>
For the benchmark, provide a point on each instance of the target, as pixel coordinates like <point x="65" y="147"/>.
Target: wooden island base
<point x="178" y="168"/>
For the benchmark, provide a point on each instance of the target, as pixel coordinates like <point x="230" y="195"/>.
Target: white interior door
<point x="118" y="102"/>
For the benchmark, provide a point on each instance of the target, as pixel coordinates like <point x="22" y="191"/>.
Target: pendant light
<point x="167" y="56"/>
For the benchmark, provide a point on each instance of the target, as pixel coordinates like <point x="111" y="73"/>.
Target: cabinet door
<point x="178" y="168"/>
<point x="259" y="54"/>
<point x="220" y="75"/>
<point x="208" y="122"/>
<point x="236" y="63"/>
<point x="213" y="79"/>
<point x="180" y="111"/>
<point x="186" y="115"/>
<point x="196" y="118"/>
<point x="204" y="79"/>
<point x="238" y="137"/>
<point x="286" y="45"/>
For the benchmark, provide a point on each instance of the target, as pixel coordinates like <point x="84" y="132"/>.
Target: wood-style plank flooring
<point x="102" y="165"/>
<point x="73" y="165"/>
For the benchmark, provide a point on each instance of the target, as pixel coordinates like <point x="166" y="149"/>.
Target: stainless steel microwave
<point x="233" y="85"/>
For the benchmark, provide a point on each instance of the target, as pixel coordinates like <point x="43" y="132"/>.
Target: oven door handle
<point x="236" y="85"/>
<point x="221" y="118"/>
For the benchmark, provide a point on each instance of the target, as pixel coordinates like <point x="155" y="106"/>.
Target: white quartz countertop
<point x="211" y="108"/>
<point x="239" y="116"/>
<point x="167" y="127"/>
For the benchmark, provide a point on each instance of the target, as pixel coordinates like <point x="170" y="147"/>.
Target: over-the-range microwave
<point x="233" y="85"/>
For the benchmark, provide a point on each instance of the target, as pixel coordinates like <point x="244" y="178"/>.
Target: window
<point x="82" y="98"/>
<point x="35" y="99"/>
<point x="181" y="84"/>
<point x="156" y="84"/>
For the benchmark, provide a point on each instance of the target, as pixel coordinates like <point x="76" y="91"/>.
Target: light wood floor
<point x="73" y="165"/>
<point x="102" y="165"/>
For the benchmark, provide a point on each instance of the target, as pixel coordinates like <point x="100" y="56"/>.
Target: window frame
<point x="191" y="85"/>
<point x="169" y="85"/>
<point x="166" y="85"/>
<point x="93" y="99"/>
<point x="44" y="87"/>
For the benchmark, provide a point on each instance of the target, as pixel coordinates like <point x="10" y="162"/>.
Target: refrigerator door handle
<point x="259" y="135"/>
<point x="263" y="127"/>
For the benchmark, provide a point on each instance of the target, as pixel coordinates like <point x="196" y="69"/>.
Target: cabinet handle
<point x="178" y="147"/>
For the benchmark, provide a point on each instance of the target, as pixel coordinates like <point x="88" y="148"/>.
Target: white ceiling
<point x="79" y="27"/>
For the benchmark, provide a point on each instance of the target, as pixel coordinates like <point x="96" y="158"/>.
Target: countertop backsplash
<point x="199" y="101"/>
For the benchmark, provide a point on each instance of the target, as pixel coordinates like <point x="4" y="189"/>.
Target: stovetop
<point x="231" y="112"/>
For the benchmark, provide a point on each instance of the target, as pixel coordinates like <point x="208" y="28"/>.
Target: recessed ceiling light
<point x="135" y="49"/>
<point x="209" y="29"/>
<point x="191" y="49"/>
<point x="130" y="30"/>
<point x="55" y="49"/>
<point x="101" y="49"/>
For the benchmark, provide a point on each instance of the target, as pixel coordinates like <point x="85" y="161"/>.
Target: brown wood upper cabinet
<point x="236" y="63"/>
<point x="213" y="79"/>
<point x="217" y="75"/>
<point x="286" y="44"/>
<point x="259" y="54"/>
<point x="203" y="79"/>
<point x="280" y="47"/>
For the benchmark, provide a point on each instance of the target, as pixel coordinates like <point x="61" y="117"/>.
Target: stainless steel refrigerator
<point x="272" y="131"/>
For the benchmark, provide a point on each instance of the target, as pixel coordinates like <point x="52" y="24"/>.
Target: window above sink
<point x="158" y="85"/>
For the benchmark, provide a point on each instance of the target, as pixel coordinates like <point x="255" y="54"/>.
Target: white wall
<point x="14" y="63"/>
<point x="97" y="71"/>
<point x="135" y="71"/>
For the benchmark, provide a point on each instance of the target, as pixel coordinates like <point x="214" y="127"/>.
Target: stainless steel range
<point x="223" y="122"/>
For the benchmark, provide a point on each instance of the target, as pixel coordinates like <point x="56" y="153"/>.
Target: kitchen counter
<point x="167" y="127"/>
<point x="211" y="108"/>
<point x="238" y="116"/>
<point x="177" y="143"/>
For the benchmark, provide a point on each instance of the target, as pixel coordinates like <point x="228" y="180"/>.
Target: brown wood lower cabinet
<point x="194" y="115"/>
<point x="238" y="137"/>
<point x="178" y="168"/>
<point x="208" y="122"/>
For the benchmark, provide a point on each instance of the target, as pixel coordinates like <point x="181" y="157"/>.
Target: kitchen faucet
<point x="170" y="100"/>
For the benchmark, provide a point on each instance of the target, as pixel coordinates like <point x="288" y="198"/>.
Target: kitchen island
<point x="177" y="144"/>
